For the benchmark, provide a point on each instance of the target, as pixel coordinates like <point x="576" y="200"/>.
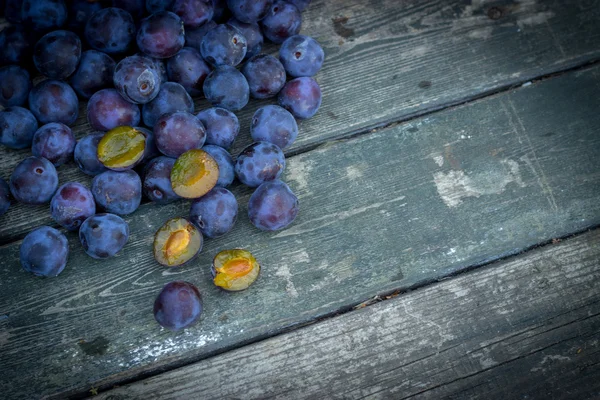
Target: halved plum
<point x="122" y="148"/>
<point x="194" y="174"/>
<point x="177" y="242"/>
<point x="234" y="270"/>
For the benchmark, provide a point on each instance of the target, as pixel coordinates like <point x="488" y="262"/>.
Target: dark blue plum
<point x="220" y="10"/>
<point x="161" y="35"/>
<point x="258" y="163"/>
<point x="178" y="305"/>
<point x="34" y="181"/>
<point x="54" y="101"/>
<point x="171" y="97"/>
<point x="150" y="150"/>
<point x="194" y="36"/>
<point x="15" y="46"/>
<point x="17" y="127"/>
<point x="117" y="192"/>
<point x="4" y="197"/>
<point x="275" y="125"/>
<point x="153" y="6"/>
<point x="55" y="142"/>
<point x="15" y="85"/>
<point x="300" y="4"/>
<point x="137" y="8"/>
<point x="86" y="154"/>
<point x="282" y="21"/>
<point x="301" y="97"/>
<point x="193" y="12"/>
<point x="225" y="163"/>
<point x="44" y="15"/>
<point x="226" y="87"/>
<point x="159" y="65"/>
<point x="253" y="35"/>
<point x="222" y="126"/>
<point x="272" y="206"/>
<point x="175" y="133"/>
<point x="137" y="79"/>
<point x="12" y="11"/>
<point x="44" y="252"/>
<point x="79" y="13"/>
<point x="110" y="30"/>
<point x="103" y="235"/>
<point x="57" y="54"/>
<point x="106" y="110"/>
<point x="72" y="204"/>
<point x="223" y="45"/>
<point x="249" y="10"/>
<point x="95" y="72"/>
<point x="265" y="76"/>
<point x="214" y="213"/>
<point x="301" y="56"/>
<point x="189" y="70"/>
<point x="157" y="180"/>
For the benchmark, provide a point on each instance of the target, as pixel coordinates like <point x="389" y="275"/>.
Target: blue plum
<point x="301" y="97"/>
<point x="17" y="127"/>
<point x="227" y="87"/>
<point x="44" y="252"/>
<point x="107" y="109"/>
<point x="282" y="21"/>
<point x="214" y="213"/>
<point x="72" y="204"/>
<point x="301" y="56"/>
<point x="15" y="45"/>
<point x="110" y="30"/>
<point x="157" y="180"/>
<point x="189" y="70"/>
<point x="275" y="125"/>
<point x="57" y="54"/>
<point x="175" y="133"/>
<point x="103" y="235"/>
<point x="193" y="12"/>
<point x="117" y="192"/>
<point x="95" y="72"/>
<point x="44" y="15"/>
<point x="150" y="150"/>
<point x="15" y="85"/>
<point x="161" y="35"/>
<point x="33" y="181"/>
<point x="253" y="35"/>
<point x="273" y="206"/>
<point x="4" y="197"/>
<point x="172" y="97"/>
<point x="225" y="163"/>
<point x="258" y="163"/>
<point x="222" y="126"/>
<point x="249" y="10"/>
<point x="194" y="36"/>
<point x="55" y="142"/>
<point x="79" y="12"/>
<point x="86" y="154"/>
<point x="178" y="305"/>
<point x="265" y="76"/>
<point x="224" y="45"/>
<point x="54" y="101"/>
<point x="137" y="79"/>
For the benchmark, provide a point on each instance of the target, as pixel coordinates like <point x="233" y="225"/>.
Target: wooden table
<point x="445" y="247"/>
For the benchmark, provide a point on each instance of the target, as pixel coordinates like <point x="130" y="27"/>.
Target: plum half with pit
<point x="177" y="242"/>
<point x="235" y="270"/>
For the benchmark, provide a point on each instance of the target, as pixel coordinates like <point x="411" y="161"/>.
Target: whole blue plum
<point x="44" y="252"/>
<point x="252" y="33"/>
<point x="193" y="12"/>
<point x="189" y="70"/>
<point x="301" y="56"/>
<point x="15" y="85"/>
<point x="161" y="35"/>
<point x="222" y="126"/>
<point x="57" y="54"/>
<point x="175" y="133"/>
<point x="117" y="192"/>
<point x="44" y="15"/>
<point x="111" y="30"/>
<point x="17" y="127"/>
<point x="79" y="12"/>
<point x="225" y="163"/>
<point x="54" y="101"/>
<point x="72" y="204"/>
<point x="282" y="21"/>
<point x="34" y="181"/>
<point x="194" y="36"/>
<point x="214" y="213"/>
<point x="272" y="206"/>
<point x="157" y="180"/>
<point x="258" y="163"/>
<point x="15" y="45"/>
<point x="178" y="305"/>
<point x="172" y="97"/>
<point x="107" y="109"/>
<point x="95" y="72"/>
<point x="103" y="235"/>
<point x="86" y="154"/>
<point x="301" y="97"/>
<point x="275" y="125"/>
<point x="227" y="87"/>
<point x="249" y="10"/>
<point x="224" y="45"/>
<point x="55" y="142"/>
<point x="137" y="79"/>
<point x="4" y="196"/>
<point x="265" y="76"/>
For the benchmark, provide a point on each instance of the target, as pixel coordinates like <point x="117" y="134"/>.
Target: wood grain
<point x="400" y="207"/>
<point x="389" y="60"/>
<point x="523" y="328"/>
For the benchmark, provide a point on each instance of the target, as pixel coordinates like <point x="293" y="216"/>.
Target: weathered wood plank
<point x="390" y="59"/>
<point x="523" y="328"/>
<point x="399" y="207"/>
